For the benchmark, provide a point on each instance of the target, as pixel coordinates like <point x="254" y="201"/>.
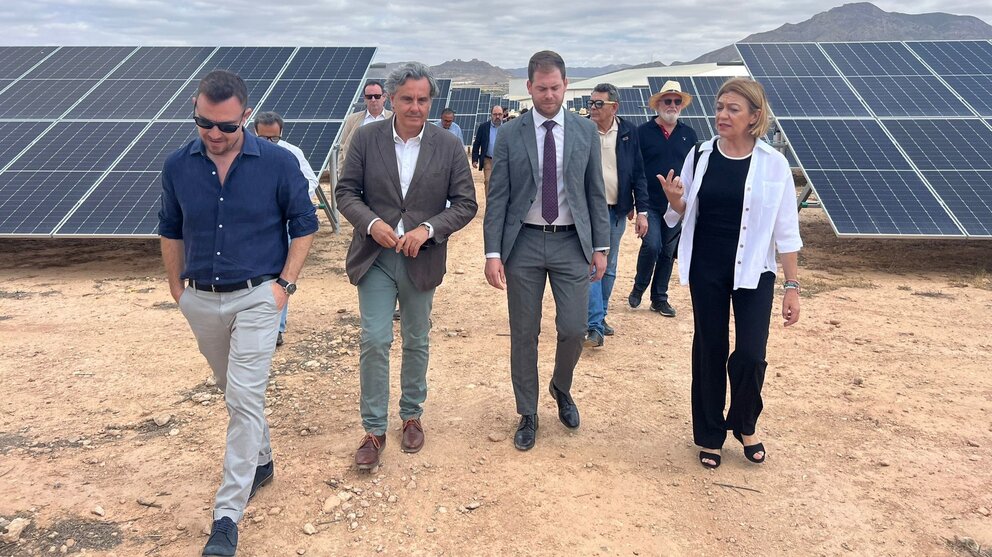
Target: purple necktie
<point x="549" y="183"/>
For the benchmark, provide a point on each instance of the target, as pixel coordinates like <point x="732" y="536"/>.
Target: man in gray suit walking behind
<point x="398" y="176"/>
<point x="546" y="219"/>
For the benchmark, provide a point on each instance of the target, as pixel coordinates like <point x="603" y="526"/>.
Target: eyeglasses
<point x="226" y="127"/>
<point x="599" y="103"/>
<point x="272" y="138"/>
<point x="669" y="101"/>
<point x="370" y="97"/>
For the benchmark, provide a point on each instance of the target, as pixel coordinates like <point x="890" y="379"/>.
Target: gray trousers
<point x="537" y="257"/>
<point x="236" y="332"/>
<point x="385" y="283"/>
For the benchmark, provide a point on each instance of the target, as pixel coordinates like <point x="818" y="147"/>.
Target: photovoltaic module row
<point x="84" y="130"/>
<point x="894" y="137"/>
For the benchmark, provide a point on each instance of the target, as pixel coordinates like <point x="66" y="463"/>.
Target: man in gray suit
<point x="546" y="218"/>
<point x="397" y="178"/>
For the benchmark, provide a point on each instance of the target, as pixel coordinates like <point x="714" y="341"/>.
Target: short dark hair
<point x="545" y="61"/>
<point x="220" y="85"/>
<point x="611" y="91"/>
<point x="447" y="111"/>
<point x="372" y="82"/>
<point x="267" y="119"/>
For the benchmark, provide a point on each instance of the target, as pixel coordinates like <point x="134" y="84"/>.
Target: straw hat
<point x="583" y="111"/>
<point x="668" y="88"/>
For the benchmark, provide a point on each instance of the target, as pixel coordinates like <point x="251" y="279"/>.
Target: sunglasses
<point x="669" y="101"/>
<point x="370" y="97"/>
<point x="600" y="103"/>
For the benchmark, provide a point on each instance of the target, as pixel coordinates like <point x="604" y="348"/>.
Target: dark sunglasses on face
<point x="226" y="127"/>
<point x="669" y="101"/>
<point x="600" y="103"/>
<point x="370" y="97"/>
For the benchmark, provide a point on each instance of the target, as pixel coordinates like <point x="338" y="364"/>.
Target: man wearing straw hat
<point x="665" y="142"/>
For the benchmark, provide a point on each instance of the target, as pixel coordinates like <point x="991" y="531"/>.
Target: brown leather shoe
<point x="367" y="456"/>
<point x="413" y="436"/>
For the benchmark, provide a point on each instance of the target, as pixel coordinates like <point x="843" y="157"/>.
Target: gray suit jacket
<point x="513" y="184"/>
<point x="370" y="187"/>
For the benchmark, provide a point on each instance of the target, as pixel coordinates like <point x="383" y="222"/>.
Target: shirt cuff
<point x="606" y="249"/>
<point x="430" y="229"/>
<point x="368" y="231"/>
<point x="492" y="255"/>
<point x="642" y="213"/>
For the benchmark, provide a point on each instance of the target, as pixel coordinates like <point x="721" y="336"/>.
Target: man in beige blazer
<point x="398" y="178"/>
<point x="375" y="101"/>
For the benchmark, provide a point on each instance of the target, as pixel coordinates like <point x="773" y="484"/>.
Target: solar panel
<point x="706" y="88"/>
<point x="974" y="89"/>
<point x="306" y="98"/>
<point x="42" y="98"/>
<point x="908" y="96"/>
<point x="702" y="126"/>
<point x="113" y="114"/>
<point x="968" y="194"/>
<point x="843" y="145"/>
<point x="955" y="57"/>
<point x="883" y="58"/>
<point x="126" y="99"/>
<point x="81" y="62"/>
<point x="439" y="103"/>
<point x="124" y="203"/>
<point x="944" y="144"/>
<point x="15" y="60"/>
<point x="632" y="103"/>
<point x="467" y="123"/>
<point x="35" y="202"/>
<point x="811" y="96"/>
<point x="894" y="202"/>
<point x="79" y="146"/>
<point x="785" y="60"/>
<point x="16" y="137"/>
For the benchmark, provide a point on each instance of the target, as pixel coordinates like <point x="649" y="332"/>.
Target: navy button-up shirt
<point x="237" y="231"/>
<point x="662" y="154"/>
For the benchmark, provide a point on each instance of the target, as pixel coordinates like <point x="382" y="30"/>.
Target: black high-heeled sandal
<point x="751" y="450"/>
<point x="709" y="456"/>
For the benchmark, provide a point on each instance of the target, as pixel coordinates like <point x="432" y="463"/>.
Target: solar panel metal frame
<point x="117" y="69"/>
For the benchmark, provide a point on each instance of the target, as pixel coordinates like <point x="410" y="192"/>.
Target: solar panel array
<point x="84" y="131"/>
<point x="465" y="103"/>
<point x="894" y="137"/>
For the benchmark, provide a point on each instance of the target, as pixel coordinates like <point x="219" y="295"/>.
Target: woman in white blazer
<point x="738" y="206"/>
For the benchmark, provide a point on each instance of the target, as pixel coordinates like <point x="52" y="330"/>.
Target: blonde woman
<point x="738" y="208"/>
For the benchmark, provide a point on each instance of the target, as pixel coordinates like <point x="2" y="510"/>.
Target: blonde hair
<point x="754" y="94"/>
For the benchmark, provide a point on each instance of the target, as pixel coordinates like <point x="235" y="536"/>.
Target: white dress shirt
<point x="769" y="217"/>
<point x="407" y="153"/>
<point x="369" y="118"/>
<point x="308" y="172"/>
<point x="534" y="215"/>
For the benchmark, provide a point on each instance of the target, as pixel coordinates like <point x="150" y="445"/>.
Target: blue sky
<point x="585" y="32"/>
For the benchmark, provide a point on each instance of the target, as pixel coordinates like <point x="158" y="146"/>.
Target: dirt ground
<point x="878" y="417"/>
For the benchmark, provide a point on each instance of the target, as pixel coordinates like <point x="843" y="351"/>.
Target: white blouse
<point x="769" y="218"/>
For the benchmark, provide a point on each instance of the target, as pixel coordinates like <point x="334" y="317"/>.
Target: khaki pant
<point x="487" y="169"/>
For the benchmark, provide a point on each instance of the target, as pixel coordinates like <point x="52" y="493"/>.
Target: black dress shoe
<point x="263" y="476"/>
<point x="635" y="298"/>
<point x="223" y="540"/>
<point x="568" y="413"/>
<point x="607" y="330"/>
<point x="526" y="433"/>
<point x="279" y="340"/>
<point x="663" y="308"/>
<point x="594" y="339"/>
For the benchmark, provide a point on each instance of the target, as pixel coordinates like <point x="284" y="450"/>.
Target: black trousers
<point x="711" y="282"/>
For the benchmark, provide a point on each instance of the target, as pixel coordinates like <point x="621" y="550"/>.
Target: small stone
<point x="173" y="432"/>
<point x="301" y="551"/>
<point x="983" y="511"/>
<point x="497" y="437"/>
<point x="211" y="381"/>
<point x="331" y="503"/>
<point x="973" y="444"/>
<point x="473" y="505"/>
<point x="274" y="511"/>
<point x="309" y="529"/>
<point x="431" y="529"/>
<point x="258" y="518"/>
<point x="883" y="463"/>
<point x="311" y="363"/>
<point x="181" y="527"/>
<point x="70" y="543"/>
<point x="392" y="499"/>
<point x="353" y="525"/>
<point x="98" y="510"/>
<point x="834" y="322"/>
<point x="344" y="496"/>
<point x="412" y="484"/>
<point x="14" y="529"/>
<point x="162" y="419"/>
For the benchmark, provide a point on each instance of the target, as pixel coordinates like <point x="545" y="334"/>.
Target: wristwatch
<point x="289" y="287"/>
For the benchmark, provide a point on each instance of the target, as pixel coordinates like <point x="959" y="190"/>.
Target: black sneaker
<point x="634" y="299"/>
<point x="663" y="308"/>
<point x="607" y="330"/>
<point x="279" y="340"/>
<point x="223" y="540"/>
<point x="263" y="476"/>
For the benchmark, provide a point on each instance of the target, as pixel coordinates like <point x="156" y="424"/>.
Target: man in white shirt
<point x="269" y="126"/>
<point x="375" y="102"/>
<point x="448" y="122"/>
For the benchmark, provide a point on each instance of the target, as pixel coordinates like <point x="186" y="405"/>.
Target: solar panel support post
<point x="330" y="204"/>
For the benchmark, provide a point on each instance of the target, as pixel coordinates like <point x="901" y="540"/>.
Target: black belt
<point x="550" y="227"/>
<point x="232" y="287"/>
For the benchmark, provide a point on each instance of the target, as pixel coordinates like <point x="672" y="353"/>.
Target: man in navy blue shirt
<point x="665" y="142"/>
<point x="228" y="198"/>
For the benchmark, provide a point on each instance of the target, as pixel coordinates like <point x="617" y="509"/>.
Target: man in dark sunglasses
<point x="375" y="101"/>
<point x="665" y="142"/>
<point x="228" y="199"/>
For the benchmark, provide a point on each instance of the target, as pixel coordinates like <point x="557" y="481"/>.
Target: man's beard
<point x="668" y="118"/>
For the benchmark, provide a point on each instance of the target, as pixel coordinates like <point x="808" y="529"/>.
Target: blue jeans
<point x="599" y="291"/>
<point x="655" y="259"/>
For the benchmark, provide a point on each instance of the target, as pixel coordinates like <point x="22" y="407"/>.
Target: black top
<point x="721" y="195"/>
<point x="662" y="155"/>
